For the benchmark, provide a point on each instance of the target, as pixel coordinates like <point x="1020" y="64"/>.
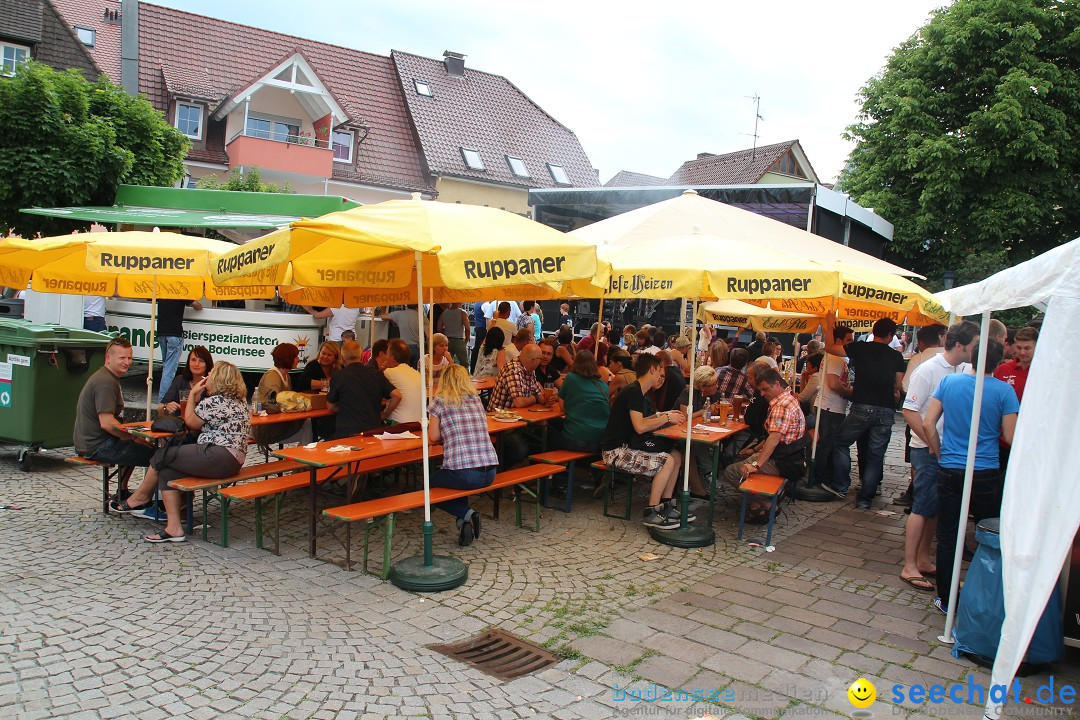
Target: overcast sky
<point x="645" y="86"/>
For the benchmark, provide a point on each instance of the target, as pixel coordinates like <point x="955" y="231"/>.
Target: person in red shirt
<point x="1015" y="372"/>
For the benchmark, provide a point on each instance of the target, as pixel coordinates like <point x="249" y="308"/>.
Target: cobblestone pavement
<point x="99" y="624"/>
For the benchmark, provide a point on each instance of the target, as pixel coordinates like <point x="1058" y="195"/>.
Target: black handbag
<point x="168" y="424"/>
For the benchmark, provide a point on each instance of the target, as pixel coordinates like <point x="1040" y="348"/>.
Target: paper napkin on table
<point x="398" y="436"/>
<point x="711" y="428"/>
<point x="340" y="448"/>
<point x="311" y="446"/>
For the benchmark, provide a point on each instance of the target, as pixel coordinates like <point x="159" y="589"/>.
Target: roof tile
<point x="626" y="178"/>
<point x="490" y="114"/>
<point x="91" y="14"/>
<point x="743" y="167"/>
<point x="21" y="20"/>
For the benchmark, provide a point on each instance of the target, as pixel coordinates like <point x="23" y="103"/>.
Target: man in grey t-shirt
<point x="100" y="408"/>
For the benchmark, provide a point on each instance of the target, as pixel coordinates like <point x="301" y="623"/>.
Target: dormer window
<point x="189" y="120"/>
<point x="473" y="161"/>
<point x="343" y="146"/>
<point x="423" y="88"/>
<point x="517" y="166"/>
<point x="558" y="174"/>
<point x="88" y="36"/>
<point x="11" y="57"/>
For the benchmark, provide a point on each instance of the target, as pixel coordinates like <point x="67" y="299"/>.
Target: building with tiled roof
<point x="33" y="29"/>
<point x="769" y="164"/>
<point x="477" y="127"/>
<point x="626" y="178"/>
<point x="326" y="118"/>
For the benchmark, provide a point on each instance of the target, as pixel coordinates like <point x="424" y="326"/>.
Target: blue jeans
<point x="826" y="436"/>
<point x="924" y="490"/>
<point x="465" y="479"/>
<point x="96" y="323"/>
<point x="121" y="452"/>
<point x="877" y="422"/>
<point x="171" y="345"/>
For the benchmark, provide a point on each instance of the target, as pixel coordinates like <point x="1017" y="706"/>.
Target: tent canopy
<point x="1040" y="511"/>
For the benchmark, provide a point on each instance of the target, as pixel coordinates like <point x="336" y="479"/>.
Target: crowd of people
<point x="614" y="389"/>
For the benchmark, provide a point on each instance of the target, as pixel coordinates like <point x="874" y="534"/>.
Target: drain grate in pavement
<point x="500" y="654"/>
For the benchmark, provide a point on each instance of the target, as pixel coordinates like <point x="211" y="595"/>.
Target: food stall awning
<point x="190" y="208"/>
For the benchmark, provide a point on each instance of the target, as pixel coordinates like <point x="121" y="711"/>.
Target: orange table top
<point x="360" y="448"/>
<point x="142" y="429"/>
<point x="289" y="416"/>
<point x="540" y="414"/>
<point x="678" y="432"/>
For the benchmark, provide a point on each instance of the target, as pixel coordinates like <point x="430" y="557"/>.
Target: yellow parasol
<point x="386" y="246"/>
<point x="135" y="264"/>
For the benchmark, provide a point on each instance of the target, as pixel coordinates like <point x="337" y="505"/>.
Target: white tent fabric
<point x="1040" y="511"/>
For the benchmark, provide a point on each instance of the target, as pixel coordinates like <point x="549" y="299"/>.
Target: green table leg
<point x="717" y="452"/>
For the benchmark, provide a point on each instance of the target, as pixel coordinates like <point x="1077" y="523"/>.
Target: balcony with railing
<point x="281" y="147"/>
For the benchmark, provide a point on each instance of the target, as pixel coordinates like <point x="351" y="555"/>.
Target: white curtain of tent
<point x="1040" y="512"/>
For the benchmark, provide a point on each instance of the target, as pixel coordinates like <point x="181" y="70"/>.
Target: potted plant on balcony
<point x="305" y="138"/>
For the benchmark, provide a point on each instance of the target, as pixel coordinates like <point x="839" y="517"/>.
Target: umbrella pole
<point x="811" y="492"/>
<point x="150" y="363"/>
<point x="427" y="573"/>
<point x="687" y="535"/>
<point x="969" y="475"/>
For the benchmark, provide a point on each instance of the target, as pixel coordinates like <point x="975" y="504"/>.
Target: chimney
<point x="129" y="46"/>
<point x="702" y="156"/>
<point x="455" y="63"/>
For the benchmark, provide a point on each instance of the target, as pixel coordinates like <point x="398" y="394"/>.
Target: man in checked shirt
<point x="783" y="451"/>
<point x="517" y="388"/>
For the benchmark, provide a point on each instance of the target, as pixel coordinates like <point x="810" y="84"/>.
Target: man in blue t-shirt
<point x="954" y="399"/>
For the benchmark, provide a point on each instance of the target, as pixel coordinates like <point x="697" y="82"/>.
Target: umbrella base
<point x="813" y="493"/>
<point x="444" y="573"/>
<point x="690" y="536"/>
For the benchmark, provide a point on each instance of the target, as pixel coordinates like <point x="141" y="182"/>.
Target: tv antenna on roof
<point x="757" y="117"/>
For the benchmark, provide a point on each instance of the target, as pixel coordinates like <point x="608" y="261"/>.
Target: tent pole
<point x="150" y="343"/>
<point x="428" y="529"/>
<point x="969" y="473"/>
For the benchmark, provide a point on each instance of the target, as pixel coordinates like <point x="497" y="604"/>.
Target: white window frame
<point x="426" y="85"/>
<point x="202" y="118"/>
<point x="79" y="29"/>
<point x="479" y="158"/>
<point x="525" y="168"/>
<point x="352" y="145"/>
<point x="4" y="46"/>
<point x="552" y="167"/>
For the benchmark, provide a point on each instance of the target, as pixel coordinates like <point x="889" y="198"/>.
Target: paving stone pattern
<point x="97" y="624"/>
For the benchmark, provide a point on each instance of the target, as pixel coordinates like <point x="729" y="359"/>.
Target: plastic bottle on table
<point x="256" y="404"/>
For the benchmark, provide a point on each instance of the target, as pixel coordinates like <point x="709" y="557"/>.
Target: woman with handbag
<point x="222" y="421"/>
<point x="286" y="357"/>
<point x="199" y="365"/>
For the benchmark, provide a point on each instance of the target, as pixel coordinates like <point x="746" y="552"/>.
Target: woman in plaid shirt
<point x="457" y="418"/>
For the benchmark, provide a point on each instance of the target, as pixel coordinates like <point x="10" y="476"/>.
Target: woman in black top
<point x="666" y="395"/>
<point x="565" y="351"/>
<point x="199" y="365"/>
<point x="316" y="375"/>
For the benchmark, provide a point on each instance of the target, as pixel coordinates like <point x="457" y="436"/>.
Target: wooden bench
<point x="209" y="486"/>
<point x="108" y="471"/>
<point x="763" y="486"/>
<point x="278" y="486"/>
<point x="565" y="458"/>
<point x="386" y="508"/>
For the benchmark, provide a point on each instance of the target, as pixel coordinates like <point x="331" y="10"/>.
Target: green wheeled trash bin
<point x="42" y="371"/>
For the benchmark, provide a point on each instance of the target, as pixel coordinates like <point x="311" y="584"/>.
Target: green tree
<point x="66" y="141"/>
<point x="968" y="139"/>
<point x="242" y="181"/>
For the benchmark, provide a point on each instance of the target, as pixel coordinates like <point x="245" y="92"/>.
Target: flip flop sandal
<point x="929" y="573"/>
<point x="164" y="537"/>
<point x="919" y="583"/>
<point x="123" y="508"/>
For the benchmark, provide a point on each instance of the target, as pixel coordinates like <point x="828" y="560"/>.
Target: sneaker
<point x="152" y="512"/>
<point x="942" y="608"/>
<point x="657" y="517"/>
<point x="833" y="491"/>
<point x="675" y="513"/>
<point x="862" y="505"/>
<point x="465" y="534"/>
<point x="903" y="498"/>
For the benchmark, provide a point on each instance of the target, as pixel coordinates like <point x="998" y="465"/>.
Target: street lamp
<point x="948" y="279"/>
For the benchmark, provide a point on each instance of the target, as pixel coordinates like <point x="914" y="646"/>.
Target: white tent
<point x="1040" y="512"/>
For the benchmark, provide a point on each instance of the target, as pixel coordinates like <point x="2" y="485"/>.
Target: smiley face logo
<point x="862" y="693"/>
